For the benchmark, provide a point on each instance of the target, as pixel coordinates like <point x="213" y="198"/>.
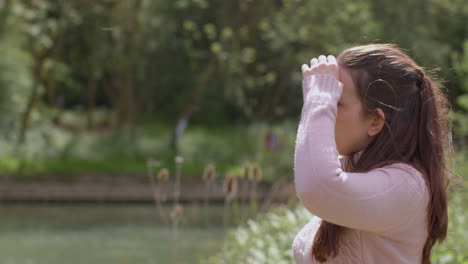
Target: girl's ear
<point x="376" y="122"/>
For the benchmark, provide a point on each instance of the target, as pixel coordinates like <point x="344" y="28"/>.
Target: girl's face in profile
<point x="352" y="128"/>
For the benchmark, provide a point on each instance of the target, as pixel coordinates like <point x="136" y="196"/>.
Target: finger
<point x="331" y="59"/>
<point x="322" y="59"/>
<point x="313" y="62"/>
<point x="305" y="68"/>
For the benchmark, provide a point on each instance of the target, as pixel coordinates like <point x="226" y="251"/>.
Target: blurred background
<point x="162" y="131"/>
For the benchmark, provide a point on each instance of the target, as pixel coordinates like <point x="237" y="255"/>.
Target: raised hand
<point x="322" y="65"/>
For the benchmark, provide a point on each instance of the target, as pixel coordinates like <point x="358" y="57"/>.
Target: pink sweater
<point x="384" y="209"/>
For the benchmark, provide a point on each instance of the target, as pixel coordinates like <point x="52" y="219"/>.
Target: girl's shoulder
<point x="413" y="174"/>
<point x="407" y="168"/>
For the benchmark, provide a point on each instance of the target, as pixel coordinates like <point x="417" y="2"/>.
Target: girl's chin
<point x="342" y="153"/>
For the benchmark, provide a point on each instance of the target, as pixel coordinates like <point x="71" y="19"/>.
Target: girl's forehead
<point x="349" y="89"/>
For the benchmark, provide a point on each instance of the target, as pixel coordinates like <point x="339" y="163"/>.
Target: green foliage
<point x="230" y="147"/>
<point x="461" y="71"/>
<point x="254" y="59"/>
<point x="266" y="239"/>
<point x="259" y="55"/>
<point x="58" y="151"/>
<point x="15" y="80"/>
<point x="239" y="60"/>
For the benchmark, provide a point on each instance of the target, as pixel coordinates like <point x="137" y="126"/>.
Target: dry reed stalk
<point x="274" y="189"/>
<point x="246" y="169"/>
<point x="208" y="178"/>
<point x="156" y="185"/>
<point x="255" y="178"/>
<point x="230" y="189"/>
<point x="178" y="160"/>
<point x="176" y="215"/>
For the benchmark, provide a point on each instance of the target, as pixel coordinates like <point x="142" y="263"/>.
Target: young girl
<point x="385" y="200"/>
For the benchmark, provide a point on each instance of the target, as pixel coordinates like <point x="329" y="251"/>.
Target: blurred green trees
<point x="121" y="63"/>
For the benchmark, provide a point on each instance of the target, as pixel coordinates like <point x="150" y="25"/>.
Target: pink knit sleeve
<point x="379" y="200"/>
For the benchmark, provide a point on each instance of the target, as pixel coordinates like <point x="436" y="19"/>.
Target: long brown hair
<point x="416" y="132"/>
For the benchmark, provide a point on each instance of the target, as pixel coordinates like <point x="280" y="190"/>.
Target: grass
<point x="52" y="152"/>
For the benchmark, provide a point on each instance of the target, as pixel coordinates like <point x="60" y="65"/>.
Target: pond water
<point x="72" y="234"/>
